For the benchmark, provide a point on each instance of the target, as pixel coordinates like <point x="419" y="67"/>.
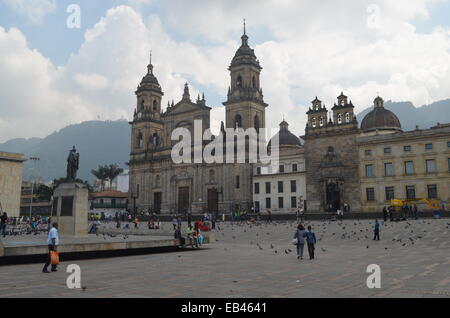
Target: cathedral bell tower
<point x="147" y="127"/>
<point x="245" y="107"/>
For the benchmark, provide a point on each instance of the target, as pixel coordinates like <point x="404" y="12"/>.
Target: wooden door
<point x="183" y="200"/>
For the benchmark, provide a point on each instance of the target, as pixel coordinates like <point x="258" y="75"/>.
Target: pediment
<point x="185" y="107"/>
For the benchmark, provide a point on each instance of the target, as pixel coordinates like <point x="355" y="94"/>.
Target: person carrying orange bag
<point x="53" y="255"/>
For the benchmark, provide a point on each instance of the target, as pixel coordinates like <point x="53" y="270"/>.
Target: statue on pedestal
<point x="72" y="165"/>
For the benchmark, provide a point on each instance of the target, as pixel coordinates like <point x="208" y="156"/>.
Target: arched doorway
<point x="333" y="197"/>
<point x="213" y="201"/>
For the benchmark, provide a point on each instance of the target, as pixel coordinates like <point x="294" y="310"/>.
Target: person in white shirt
<point x="52" y="242"/>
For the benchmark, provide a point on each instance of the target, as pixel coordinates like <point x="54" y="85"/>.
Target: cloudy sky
<point x="52" y="75"/>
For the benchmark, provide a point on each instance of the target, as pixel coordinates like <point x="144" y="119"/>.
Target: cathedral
<point x="156" y="183"/>
<point x="341" y="163"/>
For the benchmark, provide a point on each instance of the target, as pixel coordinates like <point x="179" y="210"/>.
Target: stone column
<point x="72" y="209"/>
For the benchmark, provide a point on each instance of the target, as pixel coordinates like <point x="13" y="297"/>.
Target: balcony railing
<point x="108" y="206"/>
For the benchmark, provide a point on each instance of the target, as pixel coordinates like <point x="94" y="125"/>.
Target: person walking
<point x="385" y="214"/>
<point x="52" y="242"/>
<point x="269" y="216"/>
<point x="3" y="222"/>
<point x="377" y="231"/>
<point x="416" y="212"/>
<point x="300" y="236"/>
<point x="311" y="241"/>
<point x="174" y="223"/>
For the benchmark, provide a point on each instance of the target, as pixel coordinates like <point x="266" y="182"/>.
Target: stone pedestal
<point x="70" y="209"/>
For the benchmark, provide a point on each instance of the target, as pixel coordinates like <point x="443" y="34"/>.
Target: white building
<point x="123" y="181"/>
<point x="282" y="191"/>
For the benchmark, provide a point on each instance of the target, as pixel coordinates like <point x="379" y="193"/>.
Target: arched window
<point x="321" y="121"/>
<point x="140" y="141"/>
<point x="256" y="123"/>
<point x="155" y="105"/>
<point x="347" y="117"/>
<point x="142" y="105"/>
<point x="239" y="81"/>
<point x="313" y="123"/>
<point x="254" y="82"/>
<point x="237" y="121"/>
<point x="339" y="118"/>
<point x="154" y="140"/>
<point x="212" y="176"/>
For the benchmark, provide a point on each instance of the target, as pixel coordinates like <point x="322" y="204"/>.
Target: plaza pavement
<point x="414" y="257"/>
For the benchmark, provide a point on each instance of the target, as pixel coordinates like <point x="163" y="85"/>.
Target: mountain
<point x="410" y="116"/>
<point x="98" y="142"/>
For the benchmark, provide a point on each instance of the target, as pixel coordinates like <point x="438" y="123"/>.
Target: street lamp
<point x="35" y="160"/>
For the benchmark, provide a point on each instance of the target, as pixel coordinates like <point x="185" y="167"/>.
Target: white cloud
<point x="316" y="48"/>
<point x="34" y="10"/>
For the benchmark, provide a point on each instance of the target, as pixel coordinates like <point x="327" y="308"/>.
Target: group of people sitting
<point x="193" y="235"/>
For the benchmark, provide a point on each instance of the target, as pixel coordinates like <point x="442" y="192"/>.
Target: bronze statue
<point x="72" y="164"/>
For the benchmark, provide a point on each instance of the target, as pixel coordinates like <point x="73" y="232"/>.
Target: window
<point x="239" y="81"/>
<point x="258" y="171"/>
<point x="155" y="105"/>
<point x="280" y="203"/>
<point x="293" y="202"/>
<point x="281" y="169"/>
<point x="321" y="121"/>
<point x="280" y="187"/>
<point x="432" y="191"/>
<point x="390" y="193"/>
<point x="140" y="141"/>
<point x="293" y="186"/>
<point x="294" y="167"/>
<point x="410" y="192"/>
<point x="448" y="161"/>
<point x="313" y="123"/>
<point x="407" y="148"/>
<point x="256" y="188"/>
<point x="267" y="187"/>
<point x="387" y="150"/>
<point x="339" y="119"/>
<point x="431" y="166"/>
<point x="370" y="192"/>
<point x="409" y="167"/>
<point x="368" y="152"/>
<point x="268" y="203"/>
<point x="448" y="144"/>
<point x="254" y="82"/>
<point x="257" y="205"/>
<point x="237" y="121"/>
<point x="137" y="191"/>
<point x="238" y="182"/>
<point x="429" y="147"/>
<point x="388" y="169"/>
<point x="347" y="117"/>
<point x="369" y="171"/>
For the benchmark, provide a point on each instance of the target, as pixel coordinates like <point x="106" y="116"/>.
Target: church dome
<point x="149" y="81"/>
<point x="245" y="54"/>
<point x="286" y="138"/>
<point x="380" y="118"/>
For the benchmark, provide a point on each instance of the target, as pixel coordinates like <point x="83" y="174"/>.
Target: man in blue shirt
<point x="52" y="242"/>
<point x="311" y="241"/>
<point x="377" y="231"/>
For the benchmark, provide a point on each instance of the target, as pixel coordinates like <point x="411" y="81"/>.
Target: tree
<point x="44" y="193"/>
<point x="102" y="173"/>
<point x="113" y="172"/>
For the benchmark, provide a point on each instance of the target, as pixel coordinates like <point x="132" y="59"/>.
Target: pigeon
<point x="323" y="250"/>
<point x="84" y="288"/>
<point x="271" y="246"/>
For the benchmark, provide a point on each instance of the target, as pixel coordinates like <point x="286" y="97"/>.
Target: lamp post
<point x="34" y="160"/>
